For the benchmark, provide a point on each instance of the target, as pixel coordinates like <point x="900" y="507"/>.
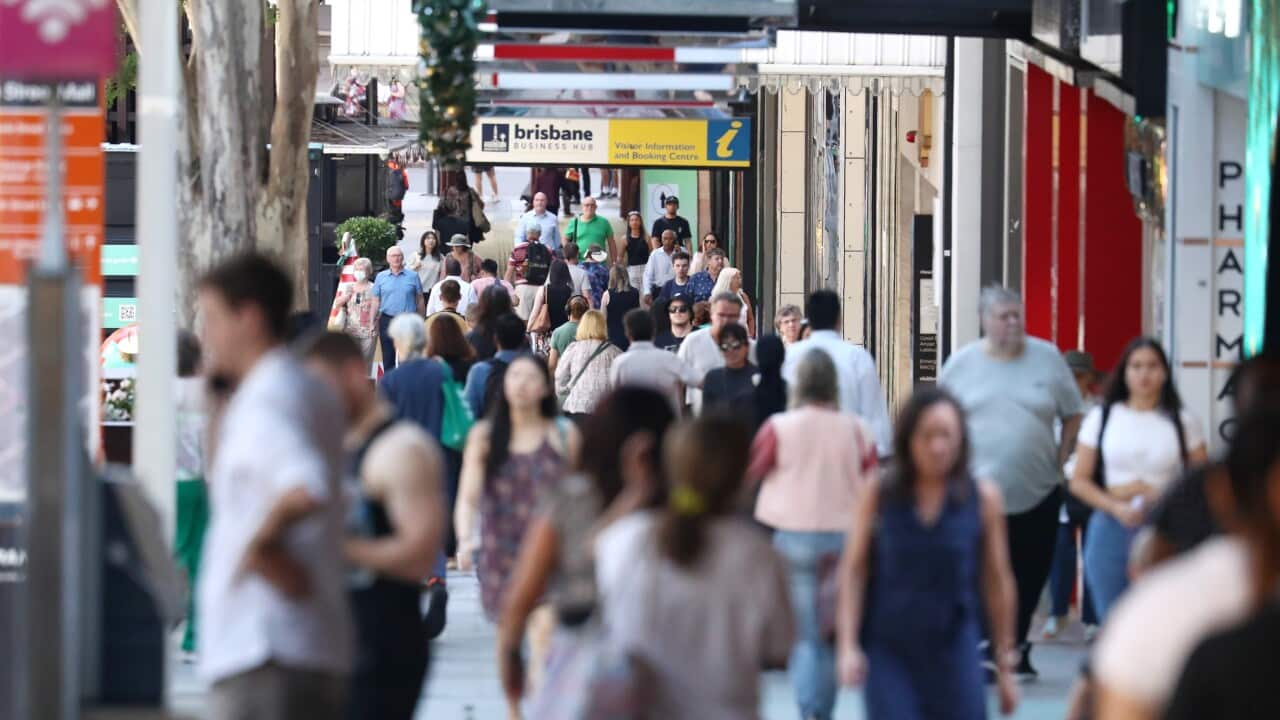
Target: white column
<point x="966" y="190"/>
<point x="154" y="442"/>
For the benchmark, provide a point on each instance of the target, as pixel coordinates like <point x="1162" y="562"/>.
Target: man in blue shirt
<point x="597" y="274"/>
<point x="395" y="291"/>
<point x="702" y="284"/>
<point x="509" y="334"/>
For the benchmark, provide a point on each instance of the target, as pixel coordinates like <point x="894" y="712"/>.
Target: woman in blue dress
<point x="926" y="553"/>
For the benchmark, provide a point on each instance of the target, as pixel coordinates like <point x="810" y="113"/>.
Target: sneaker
<point x="1090" y="632"/>
<point x="437" y="605"/>
<point x="1024" y="671"/>
<point x="1053" y="627"/>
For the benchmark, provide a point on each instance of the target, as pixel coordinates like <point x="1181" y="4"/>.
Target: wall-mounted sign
<point x="119" y="260"/>
<point x="723" y="143"/>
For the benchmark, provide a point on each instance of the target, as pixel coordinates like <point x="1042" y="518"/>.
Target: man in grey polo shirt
<point x="1012" y="388"/>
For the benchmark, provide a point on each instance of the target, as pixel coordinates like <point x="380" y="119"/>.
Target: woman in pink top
<point x="813" y="460"/>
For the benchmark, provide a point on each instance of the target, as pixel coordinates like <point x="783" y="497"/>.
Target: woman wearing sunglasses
<point x="731" y="389"/>
<point x="710" y="240"/>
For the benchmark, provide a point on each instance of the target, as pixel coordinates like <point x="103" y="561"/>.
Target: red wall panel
<point x="1113" y="240"/>
<point x="1067" y="284"/>
<point x="1037" y="234"/>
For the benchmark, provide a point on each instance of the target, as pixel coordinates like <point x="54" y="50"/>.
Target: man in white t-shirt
<point x="577" y="274"/>
<point x="701" y="349"/>
<point x="276" y="634"/>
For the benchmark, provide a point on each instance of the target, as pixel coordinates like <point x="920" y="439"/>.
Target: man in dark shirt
<point x="679" y="285"/>
<point x="680" y="313"/>
<point x="731" y="389"/>
<point x="672" y="221"/>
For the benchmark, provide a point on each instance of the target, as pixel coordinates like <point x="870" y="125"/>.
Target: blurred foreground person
<point x="1130" y="449"/>
<point x="1205" y="589"/>
<point x="926" y="555"/>
<point x="815" y="462"/>
<point x="276" y="635"/>
<point x="619" y="472"/>
<point x="694" y="592"/>
<point x="1013" y="388"/>
<point x="395" y="520"/>
<point x="1232" y="675"/>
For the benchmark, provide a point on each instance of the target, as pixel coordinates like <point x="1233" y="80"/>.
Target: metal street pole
<point x="154" y="439"/>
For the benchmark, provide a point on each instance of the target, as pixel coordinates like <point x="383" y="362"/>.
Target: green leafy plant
<point x="125" y="79"/>
<point x="446" y="76"/>
<point x="373" y="236"/>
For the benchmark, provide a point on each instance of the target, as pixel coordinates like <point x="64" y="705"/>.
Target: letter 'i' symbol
<point x="725" y="140"/>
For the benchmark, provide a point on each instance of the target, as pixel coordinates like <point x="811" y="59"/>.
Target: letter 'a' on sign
<point x="58" y="39"/>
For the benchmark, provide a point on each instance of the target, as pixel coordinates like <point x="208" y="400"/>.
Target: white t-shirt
<point x="282" y="429"/>
<point x="708" y="633"/>
<point x="1140" y="444"/>
<point x="1165" y="615"/>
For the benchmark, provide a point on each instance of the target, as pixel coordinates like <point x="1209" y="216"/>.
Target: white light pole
<point x="154" y="440"/>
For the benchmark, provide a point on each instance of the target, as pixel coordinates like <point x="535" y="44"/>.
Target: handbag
<point x="338" y="320"/>
<point x="456" y="419"/>
<point x="587" y="364"/>
<point x="541" y="323"/>
<point x="589" y="677"/>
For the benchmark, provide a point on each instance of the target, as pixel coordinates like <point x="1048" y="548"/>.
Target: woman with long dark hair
<point x="429" y="260"/>
<point x="495" y="302"/>
<point x="693" y="591"/>
<point x="926" y="551"/>
<point x="1129" y="450"/>
<point x="637" y="248"/>
<point x="555" y="295"/>
<point x="619" y="472"/>
<point x="518" y="452"/>
<point x="771" y="389"/>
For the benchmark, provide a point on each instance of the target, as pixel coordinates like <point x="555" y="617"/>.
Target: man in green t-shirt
<point x="590" y="229"/>
<point x="564" y="335"/>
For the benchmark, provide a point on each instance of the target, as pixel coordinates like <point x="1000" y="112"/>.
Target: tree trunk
<point x="283" y="211"/>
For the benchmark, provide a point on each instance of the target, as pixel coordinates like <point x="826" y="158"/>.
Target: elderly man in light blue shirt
<point x="543" y="219"/>
<point x="860" y="391"/>
<point x="396" y="290"/>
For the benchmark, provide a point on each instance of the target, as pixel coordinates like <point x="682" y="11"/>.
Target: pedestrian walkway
<point x="463" y="680"/>
<point x="504" y="215"/>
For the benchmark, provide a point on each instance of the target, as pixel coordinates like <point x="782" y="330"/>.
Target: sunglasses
<point x="678" y="309"/>
<point x="730" y="346"/>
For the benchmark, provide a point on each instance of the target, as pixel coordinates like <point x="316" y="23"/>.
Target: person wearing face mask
<point x="1012" y="388"/>
<point x="362" y="317"/>
<point x="702" y="284"/>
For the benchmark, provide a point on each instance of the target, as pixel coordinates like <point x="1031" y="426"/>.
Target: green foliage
<point x="125" y="79"/>
<point x="373" y="236"/>
<point x="446" y="76"/>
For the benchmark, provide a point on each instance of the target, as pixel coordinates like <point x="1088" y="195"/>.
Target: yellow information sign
<point x="677" y="143"/>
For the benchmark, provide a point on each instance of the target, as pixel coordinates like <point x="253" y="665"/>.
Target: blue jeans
<point x="812" y="665"/>
<point x="1062" y="578"/>
<point x="1106" y="560"/>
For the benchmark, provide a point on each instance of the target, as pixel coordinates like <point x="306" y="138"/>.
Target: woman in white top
<point x="1129" y="449"/>
<point x="730" y="280"/>
<point x="427" y="261"/>
<point x="693" y="591"/>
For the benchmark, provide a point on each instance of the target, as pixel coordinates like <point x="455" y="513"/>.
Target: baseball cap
<point x="672" y="199"/>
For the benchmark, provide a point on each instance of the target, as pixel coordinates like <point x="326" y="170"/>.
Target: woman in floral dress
<point x="362" y="322"/>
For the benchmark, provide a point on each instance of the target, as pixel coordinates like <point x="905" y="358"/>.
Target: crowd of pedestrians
<point x="657" y="512"/>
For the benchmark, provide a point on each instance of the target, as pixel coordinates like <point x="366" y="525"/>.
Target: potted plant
<point x="372" y="236"/>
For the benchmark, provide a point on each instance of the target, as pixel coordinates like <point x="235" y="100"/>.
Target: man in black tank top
<point x="394" y="529"/>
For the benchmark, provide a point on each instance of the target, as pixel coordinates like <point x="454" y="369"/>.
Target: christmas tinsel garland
<point x="446" y="76"/>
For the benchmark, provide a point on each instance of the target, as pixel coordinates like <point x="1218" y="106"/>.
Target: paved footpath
<point x="463" y="684"/>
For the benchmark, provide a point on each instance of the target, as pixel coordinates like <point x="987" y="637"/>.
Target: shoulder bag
<point x="541" y="323"/>
<point x="456" y="418"/>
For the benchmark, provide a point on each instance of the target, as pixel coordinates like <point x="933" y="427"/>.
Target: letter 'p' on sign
<point x="58" y="39"/>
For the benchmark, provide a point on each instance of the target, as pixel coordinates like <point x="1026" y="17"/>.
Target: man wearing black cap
<point x="672" y="221"/>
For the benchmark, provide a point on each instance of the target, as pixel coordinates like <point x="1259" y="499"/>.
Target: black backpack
<point x="537" y="263"/>
<point x="395" y="184"/>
